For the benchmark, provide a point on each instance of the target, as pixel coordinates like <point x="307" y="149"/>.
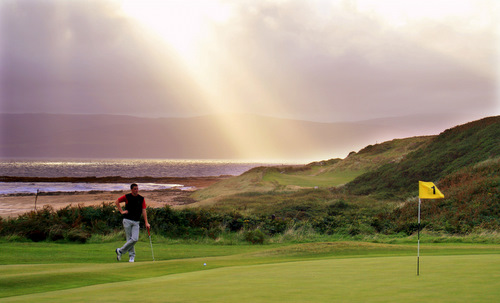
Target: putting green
<point x="457" y="278"/>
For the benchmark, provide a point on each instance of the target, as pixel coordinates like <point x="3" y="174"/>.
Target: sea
<point x="128" y="168"/>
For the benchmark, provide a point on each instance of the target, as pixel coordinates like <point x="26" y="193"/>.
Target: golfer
<point x="135" y="205"/>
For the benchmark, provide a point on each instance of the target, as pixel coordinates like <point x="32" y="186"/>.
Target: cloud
<point x="351" y="65"/>
<point x="83" y="56"/>
<point x="313" y="60"/>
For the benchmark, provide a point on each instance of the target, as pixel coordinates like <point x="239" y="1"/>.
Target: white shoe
<point x="118" y="254"/>
<point x="131" y="260"/>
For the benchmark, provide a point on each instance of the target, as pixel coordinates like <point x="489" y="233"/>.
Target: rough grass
<point x="329" y="173"/>
<point x="296" y="204"/>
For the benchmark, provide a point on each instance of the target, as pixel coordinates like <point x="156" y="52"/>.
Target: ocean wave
<point x="9" y="188"/>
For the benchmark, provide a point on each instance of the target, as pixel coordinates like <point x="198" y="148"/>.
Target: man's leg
<point x="134" y="237"/>
<point x="132" y="234"/>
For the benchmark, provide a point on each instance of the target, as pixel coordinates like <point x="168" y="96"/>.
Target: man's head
<point x="134" y="188"/>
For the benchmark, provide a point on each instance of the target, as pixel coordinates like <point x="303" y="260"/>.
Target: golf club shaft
<point x="151" y="243"/>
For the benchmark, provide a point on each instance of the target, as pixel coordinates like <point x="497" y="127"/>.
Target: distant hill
<point x="454" y="149"/>
<point x="207" y="137"/>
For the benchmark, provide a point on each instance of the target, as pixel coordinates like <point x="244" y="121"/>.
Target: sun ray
<point x="181" y="24"/>
<point x="225" y="83"/>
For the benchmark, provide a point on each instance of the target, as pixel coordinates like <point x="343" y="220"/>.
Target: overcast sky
<point x="313" y="60"/>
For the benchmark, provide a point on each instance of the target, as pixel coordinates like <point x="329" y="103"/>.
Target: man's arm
<point x="145" y="216"/>
<point x="117" y="203"/>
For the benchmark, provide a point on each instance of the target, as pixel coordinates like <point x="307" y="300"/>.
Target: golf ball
<point x="204" y="264"/>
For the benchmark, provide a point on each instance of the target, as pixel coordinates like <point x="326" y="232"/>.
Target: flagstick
<point x="418" y="236"/>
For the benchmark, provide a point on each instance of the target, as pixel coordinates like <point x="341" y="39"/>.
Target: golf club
<point x="151" y="243"/>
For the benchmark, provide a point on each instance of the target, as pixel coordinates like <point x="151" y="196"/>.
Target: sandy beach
<point x="14" y="205"/>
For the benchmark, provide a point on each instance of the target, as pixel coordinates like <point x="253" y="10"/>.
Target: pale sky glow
<point x="181" y="24"/>
<point x="422" y="21"/>
<point x="314" y="60"/>
<point x="400" y="13"/>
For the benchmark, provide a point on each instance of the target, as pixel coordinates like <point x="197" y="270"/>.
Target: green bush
<point x="56" y="232"/>
<point x="255" y="236"/>
<point x="77" y="235"/>
<point x="36" y="235"/>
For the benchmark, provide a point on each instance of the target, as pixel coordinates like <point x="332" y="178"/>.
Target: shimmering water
<point x="125" y="168"/>
<point x="7" y="188"/>
<point x="105" y="168"/>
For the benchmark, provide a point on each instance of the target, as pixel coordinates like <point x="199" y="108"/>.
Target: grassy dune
<point x="314" y="272"/>
<point x="381" y="186"/>
<point x="328" y="173"/>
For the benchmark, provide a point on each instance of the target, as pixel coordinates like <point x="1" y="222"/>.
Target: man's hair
<point x="133" y="185"/>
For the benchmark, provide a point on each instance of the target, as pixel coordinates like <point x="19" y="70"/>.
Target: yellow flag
<point x="427" y="190"/>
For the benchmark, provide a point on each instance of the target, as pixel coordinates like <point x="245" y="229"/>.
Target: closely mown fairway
<point x="313" y="272"/>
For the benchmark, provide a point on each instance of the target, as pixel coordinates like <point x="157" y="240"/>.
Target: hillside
<point x="472" y="203"/>
<point x="452" y="150"/>
<point x="333" y="172"/>
<point x="387" y="170"/>
<point x="464" y="162"/>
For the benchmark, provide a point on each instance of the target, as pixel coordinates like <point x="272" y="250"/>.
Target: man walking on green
<point x="135" y="205"/>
